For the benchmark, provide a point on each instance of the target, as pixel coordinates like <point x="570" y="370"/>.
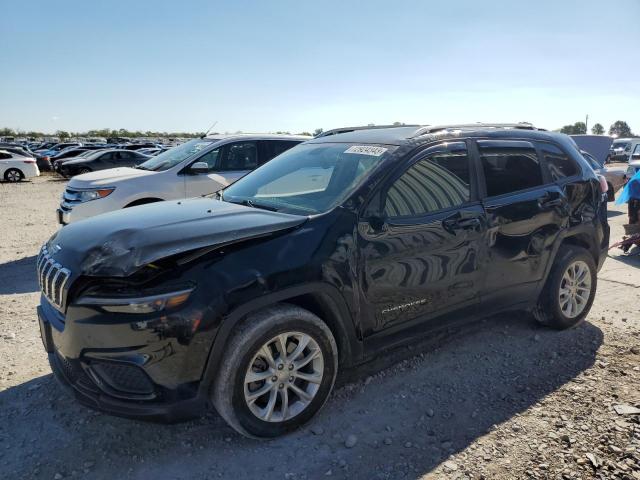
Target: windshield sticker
<point x="366" y="150"/>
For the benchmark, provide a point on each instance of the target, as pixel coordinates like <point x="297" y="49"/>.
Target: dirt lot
<point x="503" y="399"/>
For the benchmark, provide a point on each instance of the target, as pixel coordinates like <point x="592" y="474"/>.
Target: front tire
<point x="277" y="371"/>
<point x="13" y="175"/>
<point x="84" y="170"/>
<point x="570" y="290"/>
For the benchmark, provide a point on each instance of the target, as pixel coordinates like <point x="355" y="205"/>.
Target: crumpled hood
<point x="119" y="243"/>
<point x="109" y="177"/>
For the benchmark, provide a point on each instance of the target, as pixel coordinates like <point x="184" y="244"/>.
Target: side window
<point x="273" y="148"/>
<point x="240" y="156"/>
<point x="210" y="158"/>
<point x="560" y="165"/>
<point x="636" y="150"/>
<point x="509" y="166"/>
<point x="5" y="156"/>
<point x="107" y="157"/>
<point x="439" y="181"/>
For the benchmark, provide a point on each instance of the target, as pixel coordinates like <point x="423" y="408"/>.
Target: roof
<point x="387" y="136"/>
<point x="259" y="136"/>
<point x="13" y="153"/>
<point x="336" y="131"/>
<point x="404" y="135"/>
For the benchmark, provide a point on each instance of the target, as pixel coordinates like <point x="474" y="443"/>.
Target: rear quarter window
<point x="560" y="164"/>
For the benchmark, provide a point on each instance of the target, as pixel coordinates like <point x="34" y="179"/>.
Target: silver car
<point x="616" y="176"/>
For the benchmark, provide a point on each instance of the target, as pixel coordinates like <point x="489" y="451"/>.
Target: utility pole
<point x="586" y="122"/>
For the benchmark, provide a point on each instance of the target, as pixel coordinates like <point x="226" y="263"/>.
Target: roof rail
<point x="479" y="125"/>
<point x="336" y="131"/>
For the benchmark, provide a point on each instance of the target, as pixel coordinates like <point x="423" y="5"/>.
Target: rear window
<point x="560" y="164"/>
<point x="509" y="166"/>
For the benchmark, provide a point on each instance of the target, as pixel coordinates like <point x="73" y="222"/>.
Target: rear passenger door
<point x="525" y="213"/>
<point x="269" y="149"/>
<point x="424" y="259"/>
<point x="104" y="161"/>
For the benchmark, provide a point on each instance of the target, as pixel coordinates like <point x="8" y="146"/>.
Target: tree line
<point x="618" y="128"/>
<point x="103" y="133"/>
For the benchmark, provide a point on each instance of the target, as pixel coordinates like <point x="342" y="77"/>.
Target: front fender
<point x="342" y="325"/>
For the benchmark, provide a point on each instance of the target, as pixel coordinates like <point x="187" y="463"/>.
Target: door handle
<point x="547" y="202"/>
<point x="455" y="223"/>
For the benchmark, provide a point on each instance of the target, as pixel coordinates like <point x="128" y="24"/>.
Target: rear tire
<point x="570" y="289"/>
<point x="13" y="175"/>
<point x="295" y="385"/>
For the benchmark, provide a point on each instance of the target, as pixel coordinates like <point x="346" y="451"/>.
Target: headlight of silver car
<point x="94" y="194"/>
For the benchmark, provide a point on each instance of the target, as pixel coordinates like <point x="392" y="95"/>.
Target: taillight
<point x="28" y="161"/>
<point x="604" y="186"/>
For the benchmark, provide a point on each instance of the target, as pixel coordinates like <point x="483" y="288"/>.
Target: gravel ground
<point x="503" y="399"/>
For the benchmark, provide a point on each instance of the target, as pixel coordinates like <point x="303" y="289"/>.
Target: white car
<point x="15" y="167"/>
<point x="198" y="167"/>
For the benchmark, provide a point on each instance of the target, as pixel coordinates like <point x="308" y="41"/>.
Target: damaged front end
<point x="138" y="313"/>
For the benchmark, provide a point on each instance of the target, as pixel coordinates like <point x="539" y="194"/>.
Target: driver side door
<point x="423" y="255"/>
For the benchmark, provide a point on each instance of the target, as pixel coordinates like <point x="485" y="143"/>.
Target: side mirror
<point x="199" y="167"/>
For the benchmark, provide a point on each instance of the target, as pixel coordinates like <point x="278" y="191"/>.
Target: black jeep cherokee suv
<point x="316" y="261"/>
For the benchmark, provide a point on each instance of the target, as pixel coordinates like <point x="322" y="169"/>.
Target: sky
<point x="285" y="65"/>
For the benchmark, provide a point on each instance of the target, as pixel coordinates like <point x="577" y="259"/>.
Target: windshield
<point x="176" y="155"/>
<point x="309" y="178"/>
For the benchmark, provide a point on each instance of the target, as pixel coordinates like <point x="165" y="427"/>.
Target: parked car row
<point x="622" y="149"/>
<point x="310" y="256"/>
<point x="49" y="154"/>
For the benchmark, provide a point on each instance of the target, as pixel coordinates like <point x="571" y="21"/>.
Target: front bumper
<point x="69" y="212"/>
<point x="144" y="381"/>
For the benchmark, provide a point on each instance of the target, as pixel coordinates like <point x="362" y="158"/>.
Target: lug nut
<point x="291" y="367"/>
<point x="274" y="379"/>
<point x="281" y="385"/>
<point x="291" y="378"/>
<point x="280" y="367"/>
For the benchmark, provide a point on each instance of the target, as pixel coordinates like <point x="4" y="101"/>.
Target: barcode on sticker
<point x="366" y="150"/>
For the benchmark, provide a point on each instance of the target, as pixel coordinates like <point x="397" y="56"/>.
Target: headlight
<point x="147" y="304"/>
<point x="88" y="195"/>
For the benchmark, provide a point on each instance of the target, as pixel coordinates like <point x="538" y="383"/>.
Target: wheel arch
<point x="583" y="240"/>
<point x="8" y="169"/>
<point x="320" y="299"/>
<point x="580" y="237"/>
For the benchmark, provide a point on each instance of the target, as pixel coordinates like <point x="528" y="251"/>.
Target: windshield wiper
<point x="251" y="203"/>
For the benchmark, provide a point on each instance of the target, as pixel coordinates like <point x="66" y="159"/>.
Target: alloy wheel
<point x="13" y="176"/>
<point x="283" y="377"/>
<point x="575" y="289"/>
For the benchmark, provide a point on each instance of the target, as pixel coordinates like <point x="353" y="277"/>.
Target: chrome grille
<point x="53" y="278"/>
